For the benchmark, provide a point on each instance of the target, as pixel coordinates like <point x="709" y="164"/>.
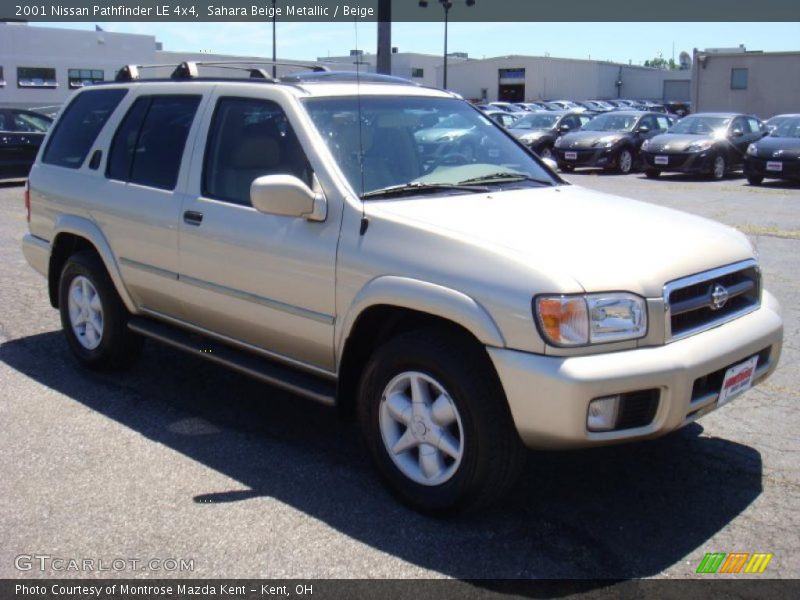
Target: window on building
<point x="36" y="77"/>
<point x="738" y="79"/>
<point x="249" y="138"/>
<point x="2" y="78"/>
<point x="148" y="146"/>
<point x="81" y="77"/>
<point x="78" y="127"/>
<point x="417" y="72"/>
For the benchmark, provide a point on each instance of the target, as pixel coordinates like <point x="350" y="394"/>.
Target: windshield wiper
<point x="422" y="188"/>
<point x="504" y="176"/>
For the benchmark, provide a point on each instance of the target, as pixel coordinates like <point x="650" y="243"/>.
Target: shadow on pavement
<point x="618" y="512"/>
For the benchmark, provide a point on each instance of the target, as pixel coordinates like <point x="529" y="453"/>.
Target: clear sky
<point x="619" y="42"/>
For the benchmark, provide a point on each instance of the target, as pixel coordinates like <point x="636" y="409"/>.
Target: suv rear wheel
<point x="436" y="422"/>
<point x="94" y="320"/>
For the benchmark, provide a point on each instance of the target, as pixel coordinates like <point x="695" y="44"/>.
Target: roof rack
<point x="191" y="69"/>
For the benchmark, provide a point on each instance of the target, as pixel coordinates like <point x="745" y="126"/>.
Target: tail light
<point x="28" y="200"/>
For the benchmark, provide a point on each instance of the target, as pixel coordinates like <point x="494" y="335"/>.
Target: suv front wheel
<point x="93" y="317"/>
<point x="437" y="424"/>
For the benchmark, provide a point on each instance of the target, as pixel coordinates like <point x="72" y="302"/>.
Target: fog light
<point x="602" y="415"/>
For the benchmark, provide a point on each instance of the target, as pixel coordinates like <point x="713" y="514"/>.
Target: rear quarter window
<point x="79" y="126"/>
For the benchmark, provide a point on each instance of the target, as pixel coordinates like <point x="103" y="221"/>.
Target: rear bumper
<point x="36" y="252"/>
<point x="549" y="396"/>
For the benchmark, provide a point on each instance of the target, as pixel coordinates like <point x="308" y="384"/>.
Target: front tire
<point x="436" y="422"/>
<point x="93" y="317"/>
<point x="545" y="152"/>
<point x="718" y="167"/>
<point x="624" y="161"/>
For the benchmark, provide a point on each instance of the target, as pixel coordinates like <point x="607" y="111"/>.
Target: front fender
<point x="422" y="296"/>
<point x="87" y="229"/>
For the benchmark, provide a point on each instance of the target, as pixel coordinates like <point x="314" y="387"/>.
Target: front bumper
<point x="549" y="396"/>
<point x="790" y="168"/>
<point x="592" y="157"/>
<point x="680" y="162"/>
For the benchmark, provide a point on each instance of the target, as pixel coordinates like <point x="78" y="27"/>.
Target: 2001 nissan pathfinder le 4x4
<point x="456" y="295"/>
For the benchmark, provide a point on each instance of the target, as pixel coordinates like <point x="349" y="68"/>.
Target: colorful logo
<point x="735" y="562"/>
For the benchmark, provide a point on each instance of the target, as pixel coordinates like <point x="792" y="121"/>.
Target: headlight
<point x="608" y="141"/>
<point x="591" y="318"/>
<point x="752" y="150"/>
<point x="700" y="146"/>
<point x="645" y="144"/>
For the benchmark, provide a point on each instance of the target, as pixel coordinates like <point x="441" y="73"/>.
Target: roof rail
<point x="191" y="69"/>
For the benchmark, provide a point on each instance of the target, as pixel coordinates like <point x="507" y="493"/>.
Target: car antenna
<point x="364" y="219"/>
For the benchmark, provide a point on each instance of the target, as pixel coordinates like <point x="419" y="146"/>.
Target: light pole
<point x="447" y="5"/>
<point x="274" y="51"/>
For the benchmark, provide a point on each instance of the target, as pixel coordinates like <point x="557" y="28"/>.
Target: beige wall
<point x="773" y="85"/>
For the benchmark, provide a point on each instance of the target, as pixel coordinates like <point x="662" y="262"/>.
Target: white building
<point x="527" y="78"/>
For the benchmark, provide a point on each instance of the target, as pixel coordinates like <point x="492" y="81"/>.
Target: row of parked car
<point x="678" y="109"/>
<point x="712" y="144"/>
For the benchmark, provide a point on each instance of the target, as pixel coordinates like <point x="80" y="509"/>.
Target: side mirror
<point x="643" y="129"/>
<point x="553" y="165"/>
<point x="287" y="196"/>
<point x="564" y="128"/>
<point x="737" y="133"/>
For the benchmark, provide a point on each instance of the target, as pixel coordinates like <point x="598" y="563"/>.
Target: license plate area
<point x="661" y="160"/>
<point x="774" y="165"/>
<point x="738" y="379"/>
<point x="571" y="155"/>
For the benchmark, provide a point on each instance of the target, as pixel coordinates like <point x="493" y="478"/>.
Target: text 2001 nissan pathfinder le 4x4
<point x="452" y="290"/>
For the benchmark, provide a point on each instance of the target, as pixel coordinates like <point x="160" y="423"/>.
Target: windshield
<point x="787" y="127"/>
<point x="696" y="125"/>
<point x="611" y="122"/>
<point x="395" y="146"/>
<point x="536" y="121"/>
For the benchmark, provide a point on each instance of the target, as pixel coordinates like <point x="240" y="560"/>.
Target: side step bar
<point x="260" y="368"/>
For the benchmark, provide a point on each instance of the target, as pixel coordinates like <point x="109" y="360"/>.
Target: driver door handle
<point x="192" y="217"/>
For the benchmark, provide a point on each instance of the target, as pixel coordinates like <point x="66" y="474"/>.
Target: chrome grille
<point x="699" y="302"/>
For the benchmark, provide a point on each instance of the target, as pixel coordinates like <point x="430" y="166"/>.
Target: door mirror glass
<point x="737" y="132"/>
<point x="643" y="129"/>
<point x="564" y="128"/>
<point x="287" y="196"/>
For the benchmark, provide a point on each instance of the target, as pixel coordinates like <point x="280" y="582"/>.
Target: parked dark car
<point x="596" y="106"/>
<point x="610" y="140"/>
<point x="713" y="144"/>
<point x="539" y="131"/>
<point x="21" y="134"/>
<point x="773" y="122"/>
<point x="777" y="155"/>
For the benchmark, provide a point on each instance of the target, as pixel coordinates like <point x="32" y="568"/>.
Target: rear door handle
<point x="192" y="217"/>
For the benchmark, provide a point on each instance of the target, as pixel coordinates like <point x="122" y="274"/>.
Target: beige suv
<point x="387" y="249"/>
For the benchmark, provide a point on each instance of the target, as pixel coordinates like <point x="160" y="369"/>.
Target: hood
<point x="778" y="148"/>
<point x="675" y="142"/>
<point x="427" y="136"/>
<point x="604" y="242"/>
<point x="529" y="134"/>
<point x="589" y="139"/>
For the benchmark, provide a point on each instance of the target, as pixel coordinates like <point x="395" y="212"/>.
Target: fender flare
<point x="87" y="229"/>
<point x="425" y="297"/>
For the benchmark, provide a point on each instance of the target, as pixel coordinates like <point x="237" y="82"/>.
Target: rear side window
<point x="148" y="145"/>
<point x="79" y="126"/>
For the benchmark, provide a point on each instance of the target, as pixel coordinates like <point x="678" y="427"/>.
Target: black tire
<point x="493" y="454"/>
<point x="118" y="346"/>
<point x="716" y="173"/>
<point x="625" y="160"/>
<point x="755" y="179"/>
<point x="546" y="151"/>
<point x="652" y="173"/>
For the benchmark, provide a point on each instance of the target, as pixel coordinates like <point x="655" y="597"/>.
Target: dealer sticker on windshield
<point x="737" y="379"/>
<point x="774" y="166"/>
<point x="662" y="160"/>
<point x="571" y="155"/>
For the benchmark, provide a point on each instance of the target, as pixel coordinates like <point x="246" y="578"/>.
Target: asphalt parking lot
<point x="179" y="459"/>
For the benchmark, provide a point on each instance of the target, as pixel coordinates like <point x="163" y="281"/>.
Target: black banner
<point x="401" y="10"/>
<point x="354" y="589"/>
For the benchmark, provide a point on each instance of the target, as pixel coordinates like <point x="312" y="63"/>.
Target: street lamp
<point x="447" y="5"/>
<point x="274" y="53"/>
